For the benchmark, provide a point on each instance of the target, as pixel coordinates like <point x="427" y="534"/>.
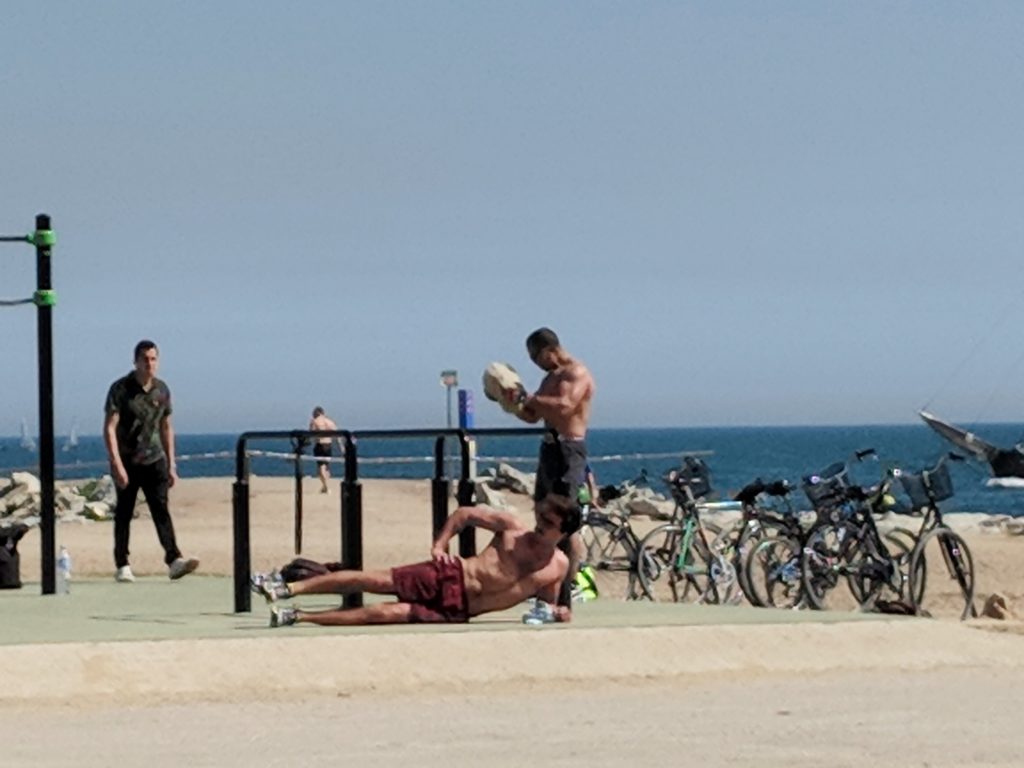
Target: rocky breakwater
<point x="20" y="499"/>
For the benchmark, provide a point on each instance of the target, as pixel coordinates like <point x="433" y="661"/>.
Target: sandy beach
<point x="890" y="691"/>
<point x="396" y="529"/>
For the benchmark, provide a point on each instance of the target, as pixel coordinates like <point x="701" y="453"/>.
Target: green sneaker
<point x="585" y="588"/>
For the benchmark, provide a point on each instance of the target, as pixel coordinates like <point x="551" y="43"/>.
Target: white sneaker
<point x="182" y="567"/>
<point x="540" y="613"/>
<point x="124" y="574"/>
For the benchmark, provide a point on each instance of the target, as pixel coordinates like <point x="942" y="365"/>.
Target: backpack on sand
<point x="302" y="568"/>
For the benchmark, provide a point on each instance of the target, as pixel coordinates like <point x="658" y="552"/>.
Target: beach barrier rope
<point x="377" y="460"/>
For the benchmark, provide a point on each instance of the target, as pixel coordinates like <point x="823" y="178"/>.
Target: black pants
<point x="153" y="480"/>
<point x="562" y="469"/>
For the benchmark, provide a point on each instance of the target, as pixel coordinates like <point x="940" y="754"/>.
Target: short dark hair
<point x="539" y="340"/>
<point x="566" y="509"/>
<point x="144" y="346"/>
<point x="318" y="411"/>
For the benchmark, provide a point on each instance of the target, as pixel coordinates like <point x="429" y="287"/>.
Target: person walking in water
<point x="139" y="437"/>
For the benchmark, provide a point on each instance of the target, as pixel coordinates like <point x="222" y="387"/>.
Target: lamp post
<point x="449" y="380"/>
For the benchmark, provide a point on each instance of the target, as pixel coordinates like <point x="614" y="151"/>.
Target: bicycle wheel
<point x="657" y="550"/>
<point x="824" y="567"/>
<point x="756" y="532"/>
<point x="901" y="543"/>
<point x="611" y="555"/>
<point x="696" y="574"/>
<point x="723" y="586"/>
<point x="942" y="576"/>
<point x="872" y="572"/>
<point x="773" y="573"/>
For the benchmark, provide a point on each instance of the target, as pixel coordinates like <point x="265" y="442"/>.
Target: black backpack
<point x="302" y="568"/>
<point x="10" y="560"/>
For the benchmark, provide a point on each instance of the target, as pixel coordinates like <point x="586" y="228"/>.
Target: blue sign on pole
<point x="465" y="409"/>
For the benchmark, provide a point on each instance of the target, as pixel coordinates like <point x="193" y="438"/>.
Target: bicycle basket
<point x="930" y="485"/>
<point x="693" y="474"/>
<point x="827" y="488"/>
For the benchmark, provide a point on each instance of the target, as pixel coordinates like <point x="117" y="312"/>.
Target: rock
<point x="100" y="490"/>
<point x="1012" y="527"/>
<point x="507" y="476"/>
<point x="17" y="499"/>
<point x="997" y="607"/>
<point x="490" y="497"/>
<point x="649" y="507"/>
<point x="27" y="480"/>
<point x="98" y="510"/>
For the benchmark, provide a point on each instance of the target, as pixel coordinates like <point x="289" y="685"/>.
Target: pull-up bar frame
<point x="44" y="298"/>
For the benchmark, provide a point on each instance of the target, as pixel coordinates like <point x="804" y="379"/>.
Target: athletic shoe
<point x="283" y="616"/>
<point x="273" y="587"/>
<point x="256" y="581"/>
<point x="124" y="574"/>
<point x="584" y="588"/>
<point x="541" y="613"/>
<point x="181" y="567"/>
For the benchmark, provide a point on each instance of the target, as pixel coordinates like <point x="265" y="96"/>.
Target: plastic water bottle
<point x="64" y="571"/>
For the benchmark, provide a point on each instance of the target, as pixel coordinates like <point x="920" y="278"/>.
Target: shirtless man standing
<point x="321" y="422"/>
<point x="563" y="402"/>
<point x="516" y="565"/>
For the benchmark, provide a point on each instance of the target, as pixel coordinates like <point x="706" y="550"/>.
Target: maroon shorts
<point x="436" y="590"/>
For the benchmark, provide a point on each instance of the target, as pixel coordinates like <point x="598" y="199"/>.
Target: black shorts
<point x="561" y="467"/>
<point x="325" y="451"/>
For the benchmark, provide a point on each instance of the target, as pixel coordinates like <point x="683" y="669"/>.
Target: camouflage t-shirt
<point x="141" y="413"/>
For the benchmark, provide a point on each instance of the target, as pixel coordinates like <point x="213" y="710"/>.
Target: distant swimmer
<point x="323" y="447"/>
<point x="518" y="563"/>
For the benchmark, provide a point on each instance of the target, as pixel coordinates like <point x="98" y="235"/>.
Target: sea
<point x="735" y="456"/>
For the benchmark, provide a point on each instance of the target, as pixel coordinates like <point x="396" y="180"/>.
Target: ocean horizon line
<point x="598" y="429"/>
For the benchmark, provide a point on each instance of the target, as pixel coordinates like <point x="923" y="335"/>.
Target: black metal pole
<point x="352" y="518"/>
<point x="440" y="489"/>
<point x="240" y="524"/>
<point x="240" y="521"/>
<point x="298" y="444"/>
<point x="466" y="492"/>
<point x="43" y="239"/>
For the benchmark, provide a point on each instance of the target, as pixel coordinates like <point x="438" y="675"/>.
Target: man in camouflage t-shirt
<point x="140" y="445"/>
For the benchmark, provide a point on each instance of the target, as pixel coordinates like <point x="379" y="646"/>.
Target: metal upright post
<point x="44" y="239"/>
<point x="298" y="446"/>
<point x="352" y="518"/>
<point x="440" y="489"/>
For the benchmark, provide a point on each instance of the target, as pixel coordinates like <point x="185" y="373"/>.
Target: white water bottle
<point x="64" y="571"/>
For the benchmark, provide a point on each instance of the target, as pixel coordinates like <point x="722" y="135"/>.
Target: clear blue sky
<point x="735" y="213"/>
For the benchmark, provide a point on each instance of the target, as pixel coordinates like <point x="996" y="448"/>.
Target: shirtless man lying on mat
<point x="517" y="564"/>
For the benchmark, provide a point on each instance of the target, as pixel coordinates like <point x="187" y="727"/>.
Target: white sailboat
<point x="27" y="441"/>
<point x="72" y="441"/>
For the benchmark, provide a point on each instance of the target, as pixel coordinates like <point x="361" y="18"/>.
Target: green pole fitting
<point x="43" y="237"/>
<point x="45" y="298"/>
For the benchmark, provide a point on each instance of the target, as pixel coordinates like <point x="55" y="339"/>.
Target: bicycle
<point x="873" y="562"/>
<point x="846" y="545"/>
<point x="682" y="550"/>
<point x="611" y="554"/>
<point x="611" y="544"/>
<point x="761" y="542"/>
<point x="940" y="556"/>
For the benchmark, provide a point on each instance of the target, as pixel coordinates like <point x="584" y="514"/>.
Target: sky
<point x="735" y="213"/>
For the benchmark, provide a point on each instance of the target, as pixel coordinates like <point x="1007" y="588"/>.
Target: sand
<point x="893" y="692"/>
<point x="396" y="529"/>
